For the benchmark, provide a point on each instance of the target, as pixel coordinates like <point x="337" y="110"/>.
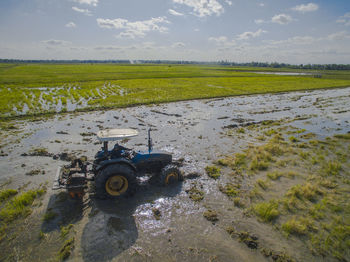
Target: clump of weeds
<point x="274" y="175"/>
<point x="65" y="230"/>
<point x="195" y="194"/>
<point x="49" y="215"/>
<point x="213" y="171"/>
<point x="298" y="226"/>
<point x="211" y="215"/>
<point x="266" y="211"/>
<point x="229" y="189"/>
<point x="6" y="194"/>
<point x="66" y="249"/>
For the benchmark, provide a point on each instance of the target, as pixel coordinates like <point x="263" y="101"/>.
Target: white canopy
<point x="115" y="134"/>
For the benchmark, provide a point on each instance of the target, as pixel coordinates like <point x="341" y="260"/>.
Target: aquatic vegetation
<point x="213" y="171"/>
<point x="66" y="249"/>
<point x="332" y="168"/>
<point x="49" y="215"/>
<point x="308" y="191"/>
<point x="239" y="202"/>
<point x="19" y="206"/>
<point x="211" y="215"/>
<point x="262" y="183"/>
<point x="65" y="230"/>
<point x="6" y="194"/>
<point x="298" y="226"/>
<point x="274" y="175"/>
<point x="229" y="189"/>
<point x="266" y="211"/>
<point x="195" y="194"/>
<point x="293" y="139"/>
<point x="257" y="164"/>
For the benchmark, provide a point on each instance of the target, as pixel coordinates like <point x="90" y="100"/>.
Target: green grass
<point x="298" y="226"/>
<point x="19" y="206"/>
<point x="65" y="230"/>
<point x="49" y="215"/>
<point x="308" y="191"/>
<point x="6" y="194"/>
<point x="274" y="175"/>
<point x="213" y="171"/>
<point x="66" y="249"/>
<point x="141" y="84"/>
<point x="266" y="211"/>
<point x="229" y="189"/>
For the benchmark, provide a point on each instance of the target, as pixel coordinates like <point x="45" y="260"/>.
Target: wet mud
<point x="187" y="222"/>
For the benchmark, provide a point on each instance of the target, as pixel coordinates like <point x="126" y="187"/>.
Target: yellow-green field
<point x="27" y="89"/>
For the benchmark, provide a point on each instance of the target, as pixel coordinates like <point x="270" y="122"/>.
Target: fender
<point x="106" y="163"/>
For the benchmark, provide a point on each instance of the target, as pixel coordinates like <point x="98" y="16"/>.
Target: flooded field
<point x="192" y="221"/>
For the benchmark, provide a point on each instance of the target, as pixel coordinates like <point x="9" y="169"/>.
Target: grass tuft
<point x="6" y="194"/>
<point x="211" y="215"/>
<point x="19" y="206"/>
<point x="266" y="211"/>
<point x="213" y="171"/>
<point x="229" y="189"/>
<point x="66" y="249"/>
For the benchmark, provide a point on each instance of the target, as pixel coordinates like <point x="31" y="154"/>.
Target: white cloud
<point x="248" y="35"/>
<point x="87" y="2"/>
<point x="228" y="2"/>
<point x="259" y="21"/>
<point x="345" y="19"/>
<point x="178" y="45"/>
<point x="261" y="4"/>
<point x="222" y="41"/>
<point x="83" y="11"/>
<point x="219" y="39"/>
<point x="173" y="12"/>
<point x="53" y="42"/>
<point x="310" y="7"/>
<point x="203" y="8"/>
<point x="339" y="36"/>
<point x="107" y="48"/>
<point x="71" y="25"/>
<point x="134" y="29"/>
<point x="282" y="19"/>
<point x="296" y="40"/>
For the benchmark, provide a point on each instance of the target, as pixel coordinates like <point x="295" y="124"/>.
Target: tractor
<point x="115" y="170"/>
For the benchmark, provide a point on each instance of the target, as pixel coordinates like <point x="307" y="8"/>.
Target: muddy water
<point x="194" y="130"/>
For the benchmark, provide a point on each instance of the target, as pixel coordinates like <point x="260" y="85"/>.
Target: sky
<point x="288" y="31"/>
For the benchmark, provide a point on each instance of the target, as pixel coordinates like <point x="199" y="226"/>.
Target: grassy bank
<point x="41" y="88"/>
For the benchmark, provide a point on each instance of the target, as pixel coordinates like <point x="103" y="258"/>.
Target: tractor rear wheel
<point x="169" y="174"/>
<point x="115" y="181"/>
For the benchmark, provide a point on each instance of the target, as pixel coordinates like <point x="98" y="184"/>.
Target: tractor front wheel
<point x="170" y="174"/>
<point x="115" y="181"/>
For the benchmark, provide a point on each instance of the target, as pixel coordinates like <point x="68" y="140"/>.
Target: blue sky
<point x="291" y="31"/>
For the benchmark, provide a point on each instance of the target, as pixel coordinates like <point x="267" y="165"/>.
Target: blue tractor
<point x="115" y="170"/>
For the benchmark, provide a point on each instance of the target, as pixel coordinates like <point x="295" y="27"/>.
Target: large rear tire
<point x="169" y="175"/>
<point x="115" y="181"/>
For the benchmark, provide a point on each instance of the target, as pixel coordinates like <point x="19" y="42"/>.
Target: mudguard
<point x="106" y="163"/>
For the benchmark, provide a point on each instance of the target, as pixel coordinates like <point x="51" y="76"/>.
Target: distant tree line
<point x="284" y="65"/>
<point x="225" y="63"/>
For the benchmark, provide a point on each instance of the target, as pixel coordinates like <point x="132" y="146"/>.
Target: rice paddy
<point x="30" y="89"/>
